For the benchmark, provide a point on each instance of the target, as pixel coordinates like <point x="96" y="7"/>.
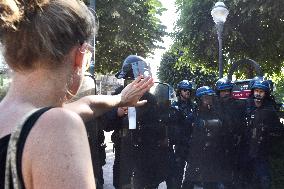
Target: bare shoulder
<point x="57" y="125"/>
<point x="56" y="153"/>
<point x="60" y="116"/>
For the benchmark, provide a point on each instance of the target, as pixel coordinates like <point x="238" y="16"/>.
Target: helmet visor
<point x="141" y="68"/>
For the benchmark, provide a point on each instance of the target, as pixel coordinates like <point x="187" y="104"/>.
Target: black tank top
<point x="21" y="142"/>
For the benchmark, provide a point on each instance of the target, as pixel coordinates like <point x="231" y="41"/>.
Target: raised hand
<point x="131" y="94"/>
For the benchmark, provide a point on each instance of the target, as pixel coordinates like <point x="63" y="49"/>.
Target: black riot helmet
<point x="132" y="67"/>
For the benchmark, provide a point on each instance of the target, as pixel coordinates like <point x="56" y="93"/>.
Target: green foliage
<point x="3" y="91"/>
<point x="254" y="29"/>
<point x="279" y="86"/>
<point x="4" y="84"/>
<point x="174" y="68"/>
<point x="126" y="27"/>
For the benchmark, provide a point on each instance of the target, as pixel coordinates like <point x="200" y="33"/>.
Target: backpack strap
<point x="11" y="170"/>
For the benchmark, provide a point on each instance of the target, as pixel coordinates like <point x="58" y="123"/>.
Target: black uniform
<point x="95" y="137"/>
<point x="208" y="158"/>
<point x="97" y="147"/>
<point x="183" y="131"/>
<point x="111" y="122"/>
<point x="142" y="155"/>
<point x="263" y="124"/>
<point x="232" y="113"/>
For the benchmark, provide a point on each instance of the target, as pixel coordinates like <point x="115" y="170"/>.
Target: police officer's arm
<point x="174" y="122"/>
<point x="275" y="127"/>
<point x="95" y="105"/>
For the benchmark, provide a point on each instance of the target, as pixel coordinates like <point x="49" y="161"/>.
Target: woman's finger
<point x="136" y="81"/>
<point x="147" y="85"/>
<point x="140" y="82"/>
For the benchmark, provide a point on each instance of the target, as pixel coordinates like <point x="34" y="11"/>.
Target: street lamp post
<point x="219" y="14"/>
<point x="93" y="6"/>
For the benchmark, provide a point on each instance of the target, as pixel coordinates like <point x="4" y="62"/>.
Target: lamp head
<point x="219" y="12"/>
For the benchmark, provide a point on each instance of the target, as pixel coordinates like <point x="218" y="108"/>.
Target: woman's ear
<point x="79" y="56"/>
<point x="83" y="56"/>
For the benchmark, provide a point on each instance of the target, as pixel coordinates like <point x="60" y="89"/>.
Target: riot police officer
<point x="262" y="124"/>
<point x="184" y="105"/>
<point x="142" y="148"/>
<point x="113" y="121"/>
<point x="224" y="88"/>
<point x="184" y="101"/>
<point x="97" y="147"/>
<point x="206" y="160"/>
<point x="232" y="112"/>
